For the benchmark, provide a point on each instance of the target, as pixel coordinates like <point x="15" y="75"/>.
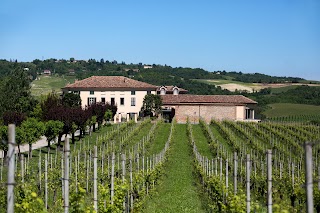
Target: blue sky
<point x="275" y="37"/>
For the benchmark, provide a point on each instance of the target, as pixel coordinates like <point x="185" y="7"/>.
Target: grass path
<point x="201" y="141"/>
<point x="177" y="191"/>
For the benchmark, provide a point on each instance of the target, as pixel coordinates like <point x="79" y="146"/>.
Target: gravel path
<point x="42" y="142"/>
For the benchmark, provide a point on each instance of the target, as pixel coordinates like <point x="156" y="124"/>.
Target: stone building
<point x="208" y="107"/>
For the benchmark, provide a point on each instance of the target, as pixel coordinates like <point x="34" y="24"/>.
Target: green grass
<point x="219" y="137"/>
<point x="47" y="84"/>
<point x="160" y="138"/>
<point x="286" y="109"/>
<point x="201" y="141"/>
<point x="177" y="191"/>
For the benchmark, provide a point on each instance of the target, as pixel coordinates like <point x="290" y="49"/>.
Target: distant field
<point x="285" y="109"/>
<point x="250" y="87"/>
<point x="46" y="84"/>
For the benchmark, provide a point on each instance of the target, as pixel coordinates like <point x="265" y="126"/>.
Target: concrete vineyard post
<point x="309" y="177"/>
<point x="235" y="176"/>
<point x="39" y="166"/>
<point x="95" y="179"/>
<point x="269" y="179"/>
<point x="11" y="161"/>
<point x="227" y="183"/>
<point x="46" y="180"/>
<point x="66" y="174"/>
<point x="131" y="186"/>
<point x="112" y="177"/>
<point x="22" y="167"/>
<point x="248" y="183"/>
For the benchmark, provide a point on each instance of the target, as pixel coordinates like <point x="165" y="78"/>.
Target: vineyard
<point x="152" y="166"/>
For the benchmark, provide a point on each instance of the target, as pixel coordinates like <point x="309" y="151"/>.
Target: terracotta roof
<point x="170" y="88"/>
<point x="231" y="99"/>
<point x="104" y="82"/>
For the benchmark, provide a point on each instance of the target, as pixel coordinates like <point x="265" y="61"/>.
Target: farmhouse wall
<point x="206" y="112"/>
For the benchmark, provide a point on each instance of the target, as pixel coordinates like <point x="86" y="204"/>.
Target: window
<point x="133" y="101"/>
<point x="148" y="92"/>
<point x="121" y="101"/>
<point x="133" y="92"/>
<point x="103" y="100"/>
<point x="112" y="101"/>
<point x="91" y="92"/>
<point x="91" y="101"/>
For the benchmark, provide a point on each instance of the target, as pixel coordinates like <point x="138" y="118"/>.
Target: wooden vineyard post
<point x="46" y="180"/>
<point x="269" y="178"/>
<point x="66" y="174"/>
<point x="248" y="183"/>
<point x="95" y="179"/>
<point x="235" y="176"/>
<point x="10" y="160"/>
<point x="112" y="177"/>
<point x="309" y="178"/>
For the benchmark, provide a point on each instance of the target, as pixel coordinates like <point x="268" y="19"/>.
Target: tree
<point x="151" y="105"/>
<point x="32" y="130"/>
<point x="11" y="117"/>
<point x="99" y="110"/>
<point x="108" y="115"/>
<point x="52" y="129"/>
<point x="81" y="119"/>
<point x="71" y="100"/>
<point x="15" y="92"/>
<point x="50" y="103"/>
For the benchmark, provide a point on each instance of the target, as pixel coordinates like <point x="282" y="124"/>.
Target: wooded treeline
<point x="15" y="93"/>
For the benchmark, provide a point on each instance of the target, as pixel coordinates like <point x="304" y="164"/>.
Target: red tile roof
<point x="230" y="99"/>
<point x="170" y="88"/>
<point x="105" y="82"/>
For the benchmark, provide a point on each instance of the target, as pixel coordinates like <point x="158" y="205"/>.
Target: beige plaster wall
<point x="240" y="112"/>
<point x="123" y="109"/>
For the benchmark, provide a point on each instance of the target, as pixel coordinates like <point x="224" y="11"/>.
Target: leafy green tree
<point x="151" y="105"/>
<point x="32" y="130"/>
<point x="15" y="93"/>
<point x="37" y="112"/>
<point x="108" y="115"/>
<point x="52" y="129"/>
<point x="71" y="100"/>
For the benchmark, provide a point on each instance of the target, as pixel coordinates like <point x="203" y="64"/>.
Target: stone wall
<point x="206" y="112"/>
